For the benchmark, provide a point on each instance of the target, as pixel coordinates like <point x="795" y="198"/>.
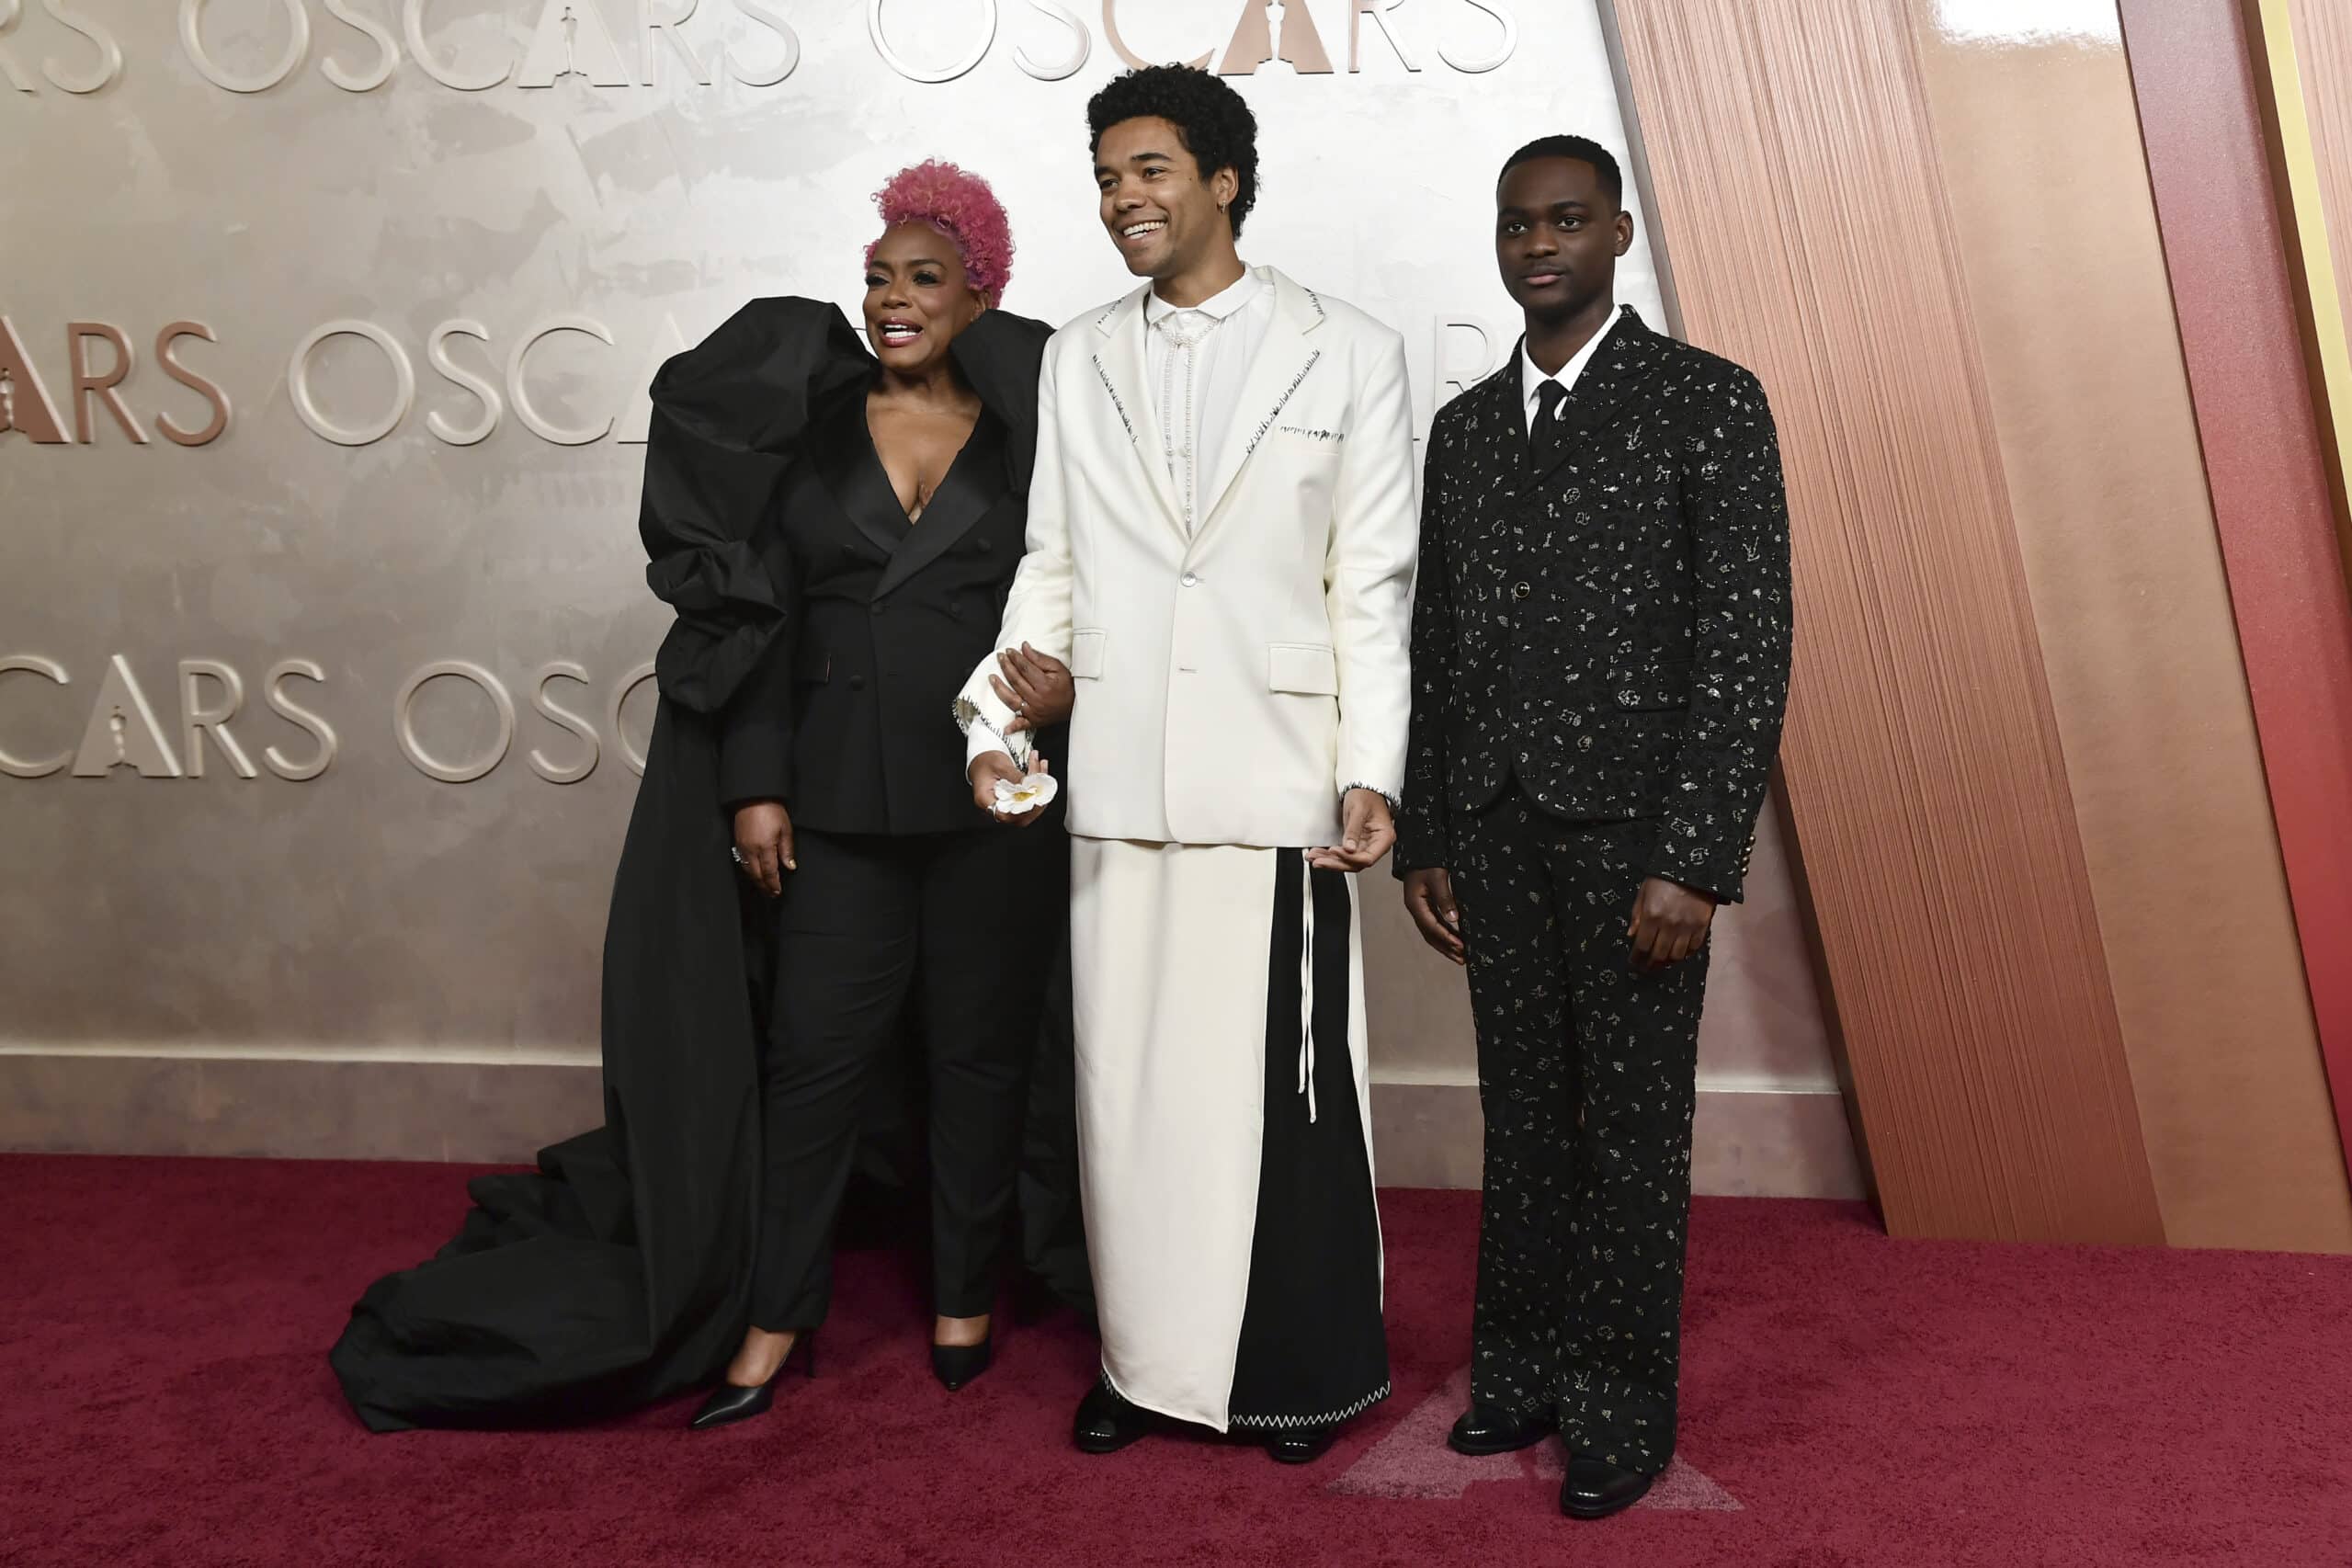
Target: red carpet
<point x="1847" y="1400"/>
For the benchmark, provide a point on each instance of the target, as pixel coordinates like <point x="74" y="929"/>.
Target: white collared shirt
<point x="1531" y="380"/>
<point x="1197" y="359"/>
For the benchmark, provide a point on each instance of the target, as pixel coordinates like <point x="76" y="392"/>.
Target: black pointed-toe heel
<point x="731" y="1402"/>
<point x="956" y="1365"/>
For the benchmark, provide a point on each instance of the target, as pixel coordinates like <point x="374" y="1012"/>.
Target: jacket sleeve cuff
<point x="755" y="761"/>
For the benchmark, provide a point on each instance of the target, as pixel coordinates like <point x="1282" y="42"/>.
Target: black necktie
<point x="1547" y="441"/>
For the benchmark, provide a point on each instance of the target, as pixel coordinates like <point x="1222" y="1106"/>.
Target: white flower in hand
<point x="1034" y="791"/>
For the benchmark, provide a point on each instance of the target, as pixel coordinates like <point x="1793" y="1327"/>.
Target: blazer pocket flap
<point x="1307" y="667"/>
<point x="1086" y="654"/>
<point x="1651" y="687"/>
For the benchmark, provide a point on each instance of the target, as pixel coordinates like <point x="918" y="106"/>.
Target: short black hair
<point x="1214" y="120"/>
<point x="1583" y="148"/>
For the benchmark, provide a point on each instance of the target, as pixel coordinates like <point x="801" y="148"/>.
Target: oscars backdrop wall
<point x="324" y="330"/>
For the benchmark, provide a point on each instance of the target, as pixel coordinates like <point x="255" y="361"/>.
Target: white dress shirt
<point x="1197" y="358"/>
<point x="1531" y="380"/>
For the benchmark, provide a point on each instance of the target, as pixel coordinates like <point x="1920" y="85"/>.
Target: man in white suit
<point x="1220" y="546"/>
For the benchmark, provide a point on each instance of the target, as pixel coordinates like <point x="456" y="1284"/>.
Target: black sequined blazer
<point x="1616" y="626"/>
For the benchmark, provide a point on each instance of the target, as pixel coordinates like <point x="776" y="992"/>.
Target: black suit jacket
<point x="1614" y="629"/>
<point x="848" y="719"/>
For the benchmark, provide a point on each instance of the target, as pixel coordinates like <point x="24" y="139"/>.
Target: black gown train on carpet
<point x="619" y="1272"/>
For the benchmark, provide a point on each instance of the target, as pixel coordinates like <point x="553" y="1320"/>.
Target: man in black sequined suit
<point x="1600" y="660"/>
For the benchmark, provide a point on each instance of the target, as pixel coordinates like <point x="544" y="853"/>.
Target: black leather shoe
<point x="1304" y="1446"/>
<point x="1106" y="1422"/>
<point x="1595" y="1488"/>
<point x="956" y="1365"/>
<point x="1483" y="1430"/>
<point x="731" y="1402"/>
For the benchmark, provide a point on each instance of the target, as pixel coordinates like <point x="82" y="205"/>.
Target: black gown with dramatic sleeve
<point x="619" y="1272"/>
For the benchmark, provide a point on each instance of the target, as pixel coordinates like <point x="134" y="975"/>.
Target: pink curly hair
<point x="960" y="206"/>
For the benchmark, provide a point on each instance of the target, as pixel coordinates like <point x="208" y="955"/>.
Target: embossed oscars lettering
<point x="285" y="708"/>
<point x="1378" y="10"/>
<point x="404" y="721"/>
<point x="12" y="765"/>
<point x="1268" y="30"/>
<point x="122" y="731"/>
<point x="27" y="408"/>
<point x="411" y="21"/>
<point x="1082" y="47"/>
<point x="102" y="73"/>
<point x="102" y="384"/>
<point x="571" y="40"/>
<point x="298" y="384"/>
<point x="490" y="399"/>
<point x="212" y="393"/>
<point x="516" y="388"/>
<point x="1256" y="41"/>
<point x="298" y="46"/>
<point x="11" y="12"/>
<point x="1451" y="370"/>
<point x="948" y="73"/>
<point x="25" y="403"/>
<point x="377" y="33"/>
<point x="631" y="755"/>
<point x="653" y="28"/>
<point x="494" y="407"/>
<point x="199" y="720"/>
<point x="563" y="718"/>
<point x="1504" y="48"/>
<point x="1134" y="61"/>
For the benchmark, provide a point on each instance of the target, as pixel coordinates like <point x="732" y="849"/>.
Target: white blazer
<point x="1234" y="685"/>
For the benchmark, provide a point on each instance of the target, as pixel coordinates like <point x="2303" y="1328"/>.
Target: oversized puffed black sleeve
<point x="727" y="416"/>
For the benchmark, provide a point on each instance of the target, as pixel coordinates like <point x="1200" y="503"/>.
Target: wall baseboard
<point x="1752" y="1141"/>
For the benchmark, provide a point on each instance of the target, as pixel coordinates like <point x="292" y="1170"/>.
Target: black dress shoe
<point x="1483" y="1430"/>
<point x="1304" y="1446"/>
<point x="731" y="1402"/>
<point x="956" y="1365"/>
<point x="1106" y="1422"/>
<point x="1595" y="1488"/>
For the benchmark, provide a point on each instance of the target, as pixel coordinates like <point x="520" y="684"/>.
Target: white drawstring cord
<point x="1307" y="997"/>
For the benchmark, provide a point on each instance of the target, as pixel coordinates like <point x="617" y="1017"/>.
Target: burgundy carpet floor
<point x="1847" y="1400"/>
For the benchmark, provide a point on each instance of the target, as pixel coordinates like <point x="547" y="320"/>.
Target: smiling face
<point x="1558" y="234"/>
<point x="1163" y="216"/>
<point x="917" y="297"/>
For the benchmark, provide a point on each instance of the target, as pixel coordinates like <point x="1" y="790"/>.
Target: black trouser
<point x="959" y="924"/>
<point x="1585" y="1071"/>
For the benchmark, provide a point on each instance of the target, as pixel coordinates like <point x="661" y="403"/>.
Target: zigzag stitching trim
<point x="1267" y="423"/>
<point x="1285" y="1423"/>
<point x="1122" y="407"/>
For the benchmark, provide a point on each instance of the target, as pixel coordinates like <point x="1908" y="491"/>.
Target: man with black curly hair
<point x="1221" y="543"/>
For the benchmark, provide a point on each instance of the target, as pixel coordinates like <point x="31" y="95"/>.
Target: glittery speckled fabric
<point x="1601" y="661"/>
<point x="1586" y="1072"/>
<point x="1611" y="626"/>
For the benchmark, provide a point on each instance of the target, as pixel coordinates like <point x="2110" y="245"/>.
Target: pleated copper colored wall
<point x="1797" y="182"/>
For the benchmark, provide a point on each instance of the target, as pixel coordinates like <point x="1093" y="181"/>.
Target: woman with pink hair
<point x="837" y="528"/>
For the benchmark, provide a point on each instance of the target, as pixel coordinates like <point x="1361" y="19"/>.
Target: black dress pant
<point x="1586" y="1070"/>
<point x="962" y="926"/>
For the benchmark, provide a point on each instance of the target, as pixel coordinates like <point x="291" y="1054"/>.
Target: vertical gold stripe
<point x="2308" y="209"/>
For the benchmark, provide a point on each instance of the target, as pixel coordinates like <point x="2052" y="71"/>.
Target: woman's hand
<point x="1036" y="686"/>
<point x="764" y="844"/>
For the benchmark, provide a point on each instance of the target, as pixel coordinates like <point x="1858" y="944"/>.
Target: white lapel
<point x="1125" y="384"/>
<point x="1283" y="359"/>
